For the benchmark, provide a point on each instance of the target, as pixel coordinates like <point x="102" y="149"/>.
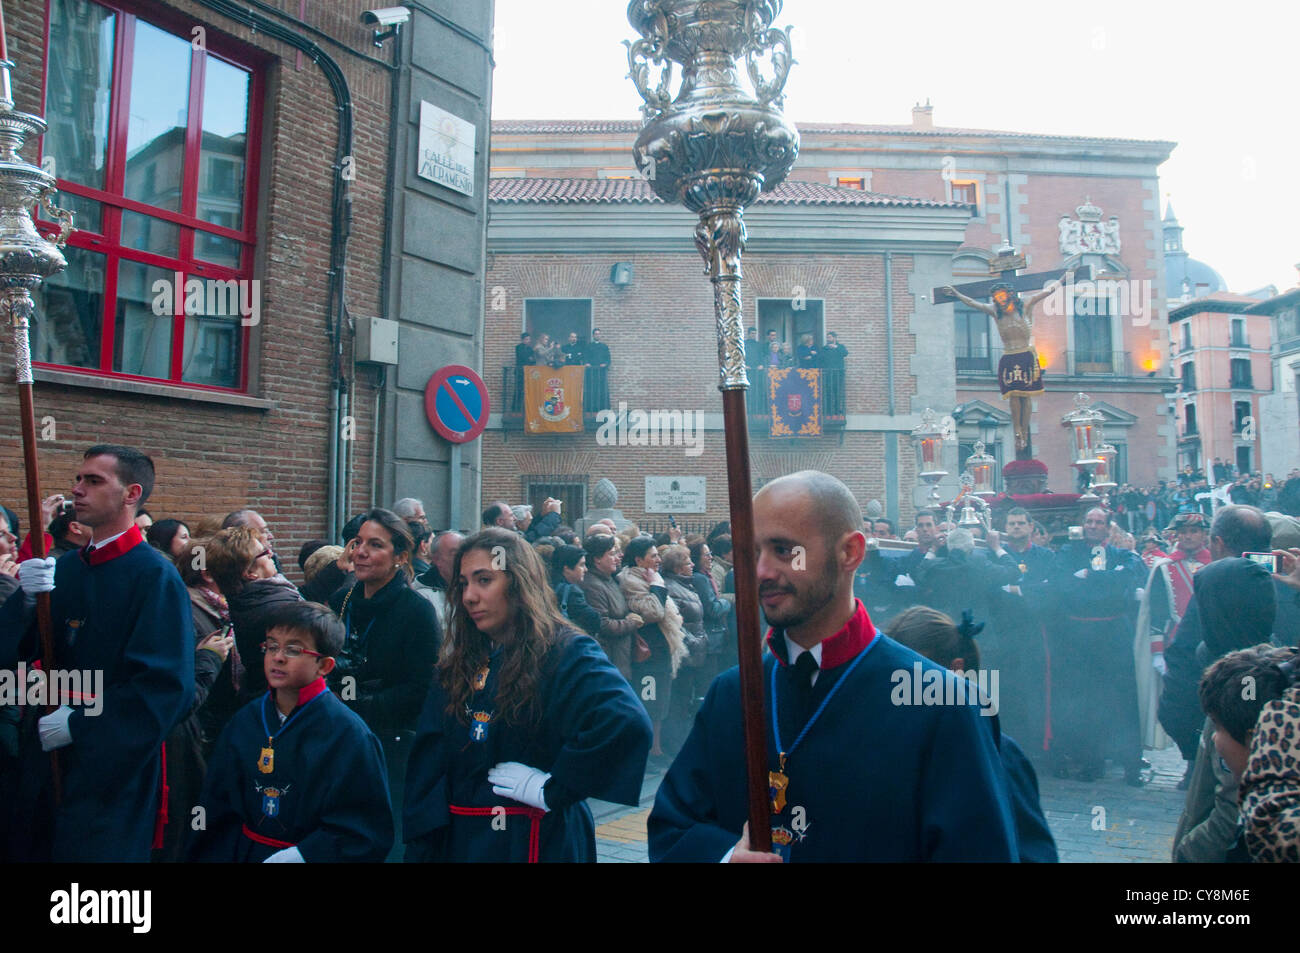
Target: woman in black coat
<point x="391" y="646"/>
<point x="568" y="569"/>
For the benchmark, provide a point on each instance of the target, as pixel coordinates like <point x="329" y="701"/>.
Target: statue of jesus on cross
<point x="1020" y="377"/>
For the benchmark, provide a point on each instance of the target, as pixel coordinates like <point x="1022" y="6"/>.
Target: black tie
<point x="804" y="668"/>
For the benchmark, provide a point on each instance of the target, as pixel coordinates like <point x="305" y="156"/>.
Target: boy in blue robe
<point x="859" y="769"/>
<point x="296" y="776"/>
<point x="118" y="607"/>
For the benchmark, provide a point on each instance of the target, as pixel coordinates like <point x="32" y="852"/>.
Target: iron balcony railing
<point x="758" y="401"/>
<point x="984" y="361"/>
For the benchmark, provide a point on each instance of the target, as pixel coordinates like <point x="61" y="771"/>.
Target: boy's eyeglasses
<point x="290" y="651"/>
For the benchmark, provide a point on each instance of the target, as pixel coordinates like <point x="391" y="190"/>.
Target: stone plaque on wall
<point x="680" y="494"/>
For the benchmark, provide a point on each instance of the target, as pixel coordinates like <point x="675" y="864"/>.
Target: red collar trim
<point x="843" y="646"/>
<point x="123" y="544"/>
<point x="308" y="692"/>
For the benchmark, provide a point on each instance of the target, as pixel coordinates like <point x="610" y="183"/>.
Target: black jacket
<point x="573" y="604"/>
<point x="325" y="583"/>
<point x="1232" y="607"/>
<point x="248" y="609"/>
<point x="391" y="649"/>
<point x="963" y="581"/>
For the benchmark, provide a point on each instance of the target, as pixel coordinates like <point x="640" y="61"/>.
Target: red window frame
<point x="114" y="202"/>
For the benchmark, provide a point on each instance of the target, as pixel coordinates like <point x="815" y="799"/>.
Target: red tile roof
<point x="637" y="191"/>
<point x="631" y="127"/>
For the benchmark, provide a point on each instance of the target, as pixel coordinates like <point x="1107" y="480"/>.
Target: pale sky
<point x="1218" y="79"/>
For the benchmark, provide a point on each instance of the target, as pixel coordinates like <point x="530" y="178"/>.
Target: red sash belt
<point x="535" y="815"/>
<point x="160" y="821"/>
<point x="263" y="839"/>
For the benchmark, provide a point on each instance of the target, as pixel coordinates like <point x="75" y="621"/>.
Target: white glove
<point x="1158" y="663"/>
<point x="930" y="555"/>
<point x="903" y="579"/>
<point x="53" y="728"/>
<point x="519" y="782"/>
<point x="1081" y="574"/>
<point x="36" y="575"/>
<point x="1013" y="589"/>
<point x="290" y="855"/>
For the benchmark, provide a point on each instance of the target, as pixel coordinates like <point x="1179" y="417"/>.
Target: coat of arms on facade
<point x="1088" y="234"/>
<point x="554" y="408"/>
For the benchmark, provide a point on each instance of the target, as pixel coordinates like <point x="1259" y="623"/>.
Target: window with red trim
<point x="152" y="138"/>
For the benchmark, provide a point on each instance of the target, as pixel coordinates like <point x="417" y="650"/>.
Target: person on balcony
<point x="572" y="351"/>
<point x="807" y="355"/>
<point x="831" y="357"/>
<point x="546" y="351"/>
<point x="596" y="357"/>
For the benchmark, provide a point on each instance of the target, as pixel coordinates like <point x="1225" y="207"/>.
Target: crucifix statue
<point x="1020" y="377"/>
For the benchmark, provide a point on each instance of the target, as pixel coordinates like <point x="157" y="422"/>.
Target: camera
<point x="391" y="17"/>
<point x="386" y="16"/>
<point x="1267" y="560"/>
<point x="1076" y="532"/>
<point x="67" y="508"/>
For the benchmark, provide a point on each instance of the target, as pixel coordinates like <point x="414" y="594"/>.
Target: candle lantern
<point x="980" y="467"/>
<point x="929" y="437"/>
<point x="1087" y="432"/>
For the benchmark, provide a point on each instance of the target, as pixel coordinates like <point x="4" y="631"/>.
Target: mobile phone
<point x="672" y="521"/>
<point x="1267" y="560"/>
<point x="1076" y="532"/>
<point x="67" y="508"/>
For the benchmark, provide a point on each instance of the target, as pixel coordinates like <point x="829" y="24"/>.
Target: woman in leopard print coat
<point x="1270" y="787"/>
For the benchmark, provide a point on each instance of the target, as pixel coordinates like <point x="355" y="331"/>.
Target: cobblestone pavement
<point x="1104" y="821"/>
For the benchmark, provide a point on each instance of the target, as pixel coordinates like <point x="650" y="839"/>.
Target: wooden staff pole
<point x="749" y="637"/>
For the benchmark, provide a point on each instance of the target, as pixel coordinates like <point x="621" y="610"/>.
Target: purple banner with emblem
<point x="795" y="395"/>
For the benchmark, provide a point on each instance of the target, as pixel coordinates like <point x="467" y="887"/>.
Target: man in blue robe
<point x="121" y="612"/>
<point x="864" y="765"/>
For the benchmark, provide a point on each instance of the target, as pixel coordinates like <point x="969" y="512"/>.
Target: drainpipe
<point x="891" y="437"/>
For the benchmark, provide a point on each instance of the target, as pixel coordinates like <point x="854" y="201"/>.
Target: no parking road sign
<point x="456" y="403"/>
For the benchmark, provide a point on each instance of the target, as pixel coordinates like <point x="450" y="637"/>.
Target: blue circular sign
<point x="456" y="403"/>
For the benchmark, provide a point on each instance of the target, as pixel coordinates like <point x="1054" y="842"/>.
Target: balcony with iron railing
<point x="758" y="400"/>
<point x="979" y="362"/>
<point x="595" y="396"/>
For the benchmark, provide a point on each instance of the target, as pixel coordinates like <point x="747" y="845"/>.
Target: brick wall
<point x="662" y="338"/>
<point x="211" y="457"/>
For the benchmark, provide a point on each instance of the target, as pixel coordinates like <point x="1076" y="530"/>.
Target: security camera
<point x="386" y="16"/>
<point x="391" y="17"/>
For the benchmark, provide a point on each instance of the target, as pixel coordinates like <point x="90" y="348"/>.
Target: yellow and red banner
<point x="553" y="398"/>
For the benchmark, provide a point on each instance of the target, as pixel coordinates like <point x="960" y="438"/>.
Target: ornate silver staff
<point x="26" y="259"/>
<point x="713" y="149"/>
